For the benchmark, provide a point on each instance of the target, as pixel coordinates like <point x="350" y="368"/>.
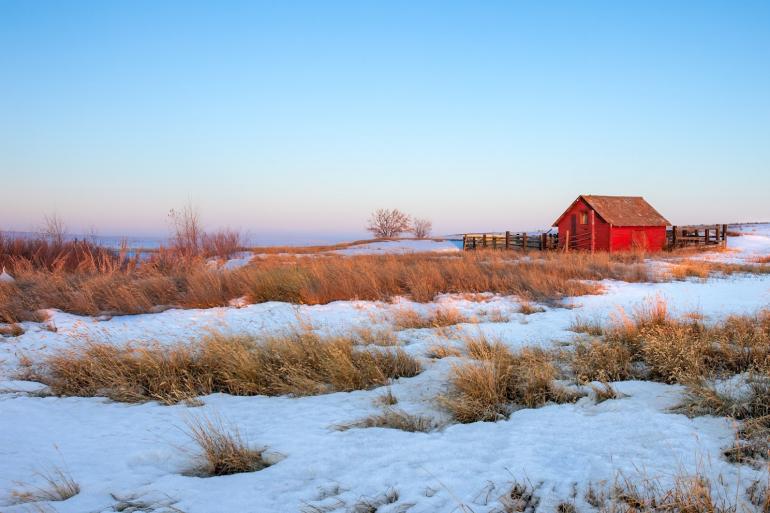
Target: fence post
<point x="524" y="241"/>
<point x="706" y="236"/>
<point x="507" y="239"/>
<point x="566" y="243"/>
<point x="724" y="235"/>
<point x="673" y="237"/>
<point x="484" y="240"/>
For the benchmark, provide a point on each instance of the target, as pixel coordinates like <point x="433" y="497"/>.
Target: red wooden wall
<point x="607" y="238"/>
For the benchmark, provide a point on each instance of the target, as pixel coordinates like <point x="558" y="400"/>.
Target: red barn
<point x="612" y="223"/>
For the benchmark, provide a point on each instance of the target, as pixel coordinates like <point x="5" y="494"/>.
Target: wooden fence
<point x="676" y="237"/>
<point x="697" y="235"/>
<point x="511" y="240"/>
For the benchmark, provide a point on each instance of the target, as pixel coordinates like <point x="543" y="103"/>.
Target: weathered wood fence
<point x="676" y="237"/>
<point x="511" y="240"/>
<point x="697" y="235"/>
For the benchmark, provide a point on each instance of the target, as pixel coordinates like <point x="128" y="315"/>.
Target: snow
<point x="141" y="450"/>
<point x="402" y="246"/>
<point x="5" y="277"/>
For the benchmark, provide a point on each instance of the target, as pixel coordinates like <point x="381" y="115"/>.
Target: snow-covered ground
<point x="402" y="246"/>
<point x="140" y="450"/>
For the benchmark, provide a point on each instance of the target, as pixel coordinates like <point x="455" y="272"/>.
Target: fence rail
<point x="676" y="237"/>
<point x="511" y="240"/>
<point x="697" y="235"/>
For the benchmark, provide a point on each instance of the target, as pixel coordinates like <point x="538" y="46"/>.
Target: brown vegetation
<point x="703" y="269"/>
<point x="223" y="450"/>
<point x="438" y="351"/>
<point x="59" y="485"/>
<point x="653" y="345"/>
<point x="123" y="287"/>
<point x="688" y="494"/>
<point x="393" y="418"/>
<point x="405" y="318"/>
<point x="11" y="330"/>
<point x="488" y="389"/>
<point x="300" y="363"/>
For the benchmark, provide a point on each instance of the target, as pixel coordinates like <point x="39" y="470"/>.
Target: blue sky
<point x="298" y="118"/>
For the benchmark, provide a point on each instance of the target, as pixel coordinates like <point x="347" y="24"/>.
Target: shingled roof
<point x="622" y="210"/>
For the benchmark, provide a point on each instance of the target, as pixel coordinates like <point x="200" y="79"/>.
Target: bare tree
<point x="385" y="223"/>
<point x="54" y="229"/>
<point x="421" y="228"/>
<point x="186" y="230"/>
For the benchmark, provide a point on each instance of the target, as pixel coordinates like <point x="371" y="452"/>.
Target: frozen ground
<point x="120" y="450"/>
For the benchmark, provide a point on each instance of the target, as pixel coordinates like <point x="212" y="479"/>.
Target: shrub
<point x="421" y="228"/>
<point x="222" y="243"/>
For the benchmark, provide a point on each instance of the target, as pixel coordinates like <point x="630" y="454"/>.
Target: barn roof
<point x="621" y="210"/>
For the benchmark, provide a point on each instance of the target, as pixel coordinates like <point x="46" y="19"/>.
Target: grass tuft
<point x="223" y="450"/>
<point x="59" y="485"/>
<point x="491" y="387"/>
<point x="395" y="419"/>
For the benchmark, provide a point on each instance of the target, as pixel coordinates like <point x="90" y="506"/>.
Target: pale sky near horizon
<point x="296" y="119"/>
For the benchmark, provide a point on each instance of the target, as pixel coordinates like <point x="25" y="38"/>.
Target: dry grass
<point x="751" y="406"/>
<point x="59" y="485"/>
<point x="387" y="399"/>
<point x="404" y="318"/>
<point x="520" y="498"/>
<point x="604" y="392"/>
<point x="687" y="494"/>
<point x="393" y="418"/>
<point x="528" y="308"/>
<point x="223" y="450"/>
<point x="438" y="351"/>
<point x="369" y="335"/>
<point x="491" y="387"/>
<point x="653" y="345"/>
<point x="602" y="361"/>
<point x="120" y="286"/>
<point x="703" y="269"/>
<point x="684" y="350"/>
<point x="691" y="269"/>
<point x="300" y="363"/>
<point x="589" y="327"/>
<point x="11" y="330"/>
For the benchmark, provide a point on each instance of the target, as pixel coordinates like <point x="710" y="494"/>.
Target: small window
<point x="584" y="218"/>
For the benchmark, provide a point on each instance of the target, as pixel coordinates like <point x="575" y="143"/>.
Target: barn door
<point x="639" y="240"/>
<point x="573" y="224"/>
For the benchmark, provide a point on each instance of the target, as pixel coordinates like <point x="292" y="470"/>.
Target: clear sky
<point x="299" y="118"/>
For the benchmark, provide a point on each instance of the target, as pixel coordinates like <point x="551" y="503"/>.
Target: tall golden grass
<point x="130" y="288"/>
<point x="489" y="388"/>
<point x="299" y="363"/>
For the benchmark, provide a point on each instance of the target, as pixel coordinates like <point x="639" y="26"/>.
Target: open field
<point x="388" y="381"/>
